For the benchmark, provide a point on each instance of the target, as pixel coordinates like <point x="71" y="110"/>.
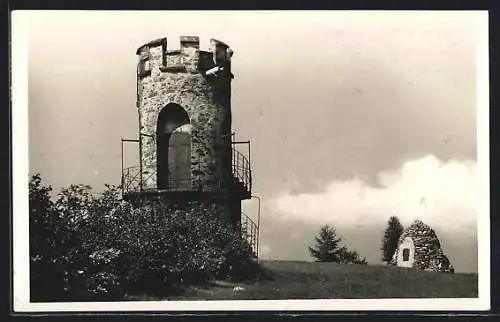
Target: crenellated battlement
<point x="187" y="58"/>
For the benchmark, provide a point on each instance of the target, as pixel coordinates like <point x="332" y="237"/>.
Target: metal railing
<point x="249" y="232"/>
<point x="131" y="180"/>
<point x="241" y="169"/>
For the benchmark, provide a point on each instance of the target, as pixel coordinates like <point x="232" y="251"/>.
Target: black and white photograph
<point x="250" y="160"/>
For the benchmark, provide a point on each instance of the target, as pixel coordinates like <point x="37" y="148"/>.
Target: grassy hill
<point x="308" y="280"/>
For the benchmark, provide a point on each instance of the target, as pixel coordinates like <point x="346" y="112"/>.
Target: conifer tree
<point x="327" y="245"/>
<point x="329" y="248"/>
<point x="391" y="236"/>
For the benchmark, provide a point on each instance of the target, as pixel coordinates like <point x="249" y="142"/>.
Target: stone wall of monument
<point x="428" y="253"/>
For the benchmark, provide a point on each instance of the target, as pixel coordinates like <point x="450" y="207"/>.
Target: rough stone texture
<point x="206" y="99"/>
<point x="428" y="254"/>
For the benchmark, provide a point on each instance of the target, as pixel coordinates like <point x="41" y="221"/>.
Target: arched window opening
<point x="173" y="148"/>
<point x="406" y="254"/>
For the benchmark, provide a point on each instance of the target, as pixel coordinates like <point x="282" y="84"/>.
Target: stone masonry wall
<point x="428" y="253"/>
<point x="179" y="77"/>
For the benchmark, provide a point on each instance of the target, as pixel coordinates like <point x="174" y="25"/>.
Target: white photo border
<point x="20" y="220"/>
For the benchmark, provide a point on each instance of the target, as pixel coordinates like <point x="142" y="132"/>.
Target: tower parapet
<point x="188" y="58"/>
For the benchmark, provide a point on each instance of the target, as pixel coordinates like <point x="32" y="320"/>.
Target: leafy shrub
<point x="63" y="243"/>
<point x="47" y="265"/>
<point x="168" y="245"/>
<point x="87" y="247"/>
<point x="104" y="286"/>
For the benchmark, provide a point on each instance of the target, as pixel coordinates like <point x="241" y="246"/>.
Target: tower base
<point x="190" y="201"/>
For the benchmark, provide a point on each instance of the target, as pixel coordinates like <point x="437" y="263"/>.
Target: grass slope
<point x="307" y="280"/>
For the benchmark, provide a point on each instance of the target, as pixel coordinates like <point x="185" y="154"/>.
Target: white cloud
<point x="443" y="195"/>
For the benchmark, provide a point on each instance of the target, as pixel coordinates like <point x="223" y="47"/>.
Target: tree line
<point x="329" y="246"/>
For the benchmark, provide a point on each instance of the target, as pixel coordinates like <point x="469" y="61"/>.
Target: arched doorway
<point x="173" y="148"/>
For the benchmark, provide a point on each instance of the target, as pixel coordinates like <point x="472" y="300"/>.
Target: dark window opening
<point x="406" y="254"/>
<point x="173" y="149"/>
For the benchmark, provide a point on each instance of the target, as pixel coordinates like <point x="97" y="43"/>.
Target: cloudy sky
<point x="353" y="117"/>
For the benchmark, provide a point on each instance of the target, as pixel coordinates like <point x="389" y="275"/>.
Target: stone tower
<point x="419" y="247"/>
<point x="186" y="147"/>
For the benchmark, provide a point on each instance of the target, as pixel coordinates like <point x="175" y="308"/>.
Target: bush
<point x="163" y="246"/>
<point x="47" y="231"/>
<point x="96" y="248"/>
<point x="65" y="244"/>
